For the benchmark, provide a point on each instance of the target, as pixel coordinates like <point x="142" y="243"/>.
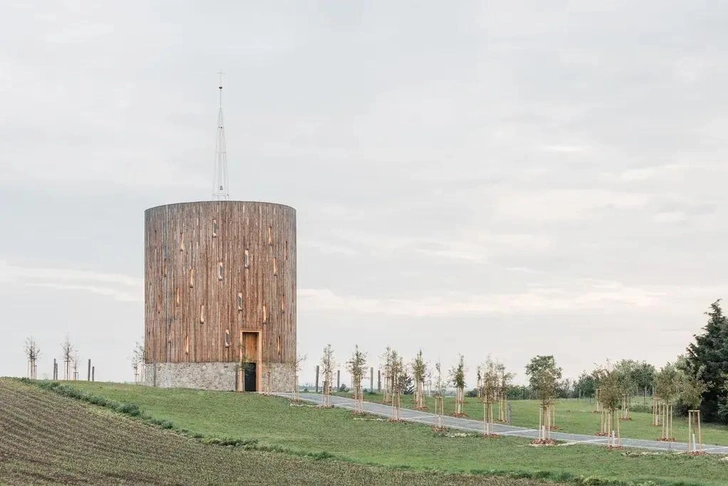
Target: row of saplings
<point x="671" y="386"/>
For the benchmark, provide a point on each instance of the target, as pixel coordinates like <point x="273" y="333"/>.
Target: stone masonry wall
<point x="282" y="377"/>
<point x="276" y="377"/>
<point x="204" y="376"/>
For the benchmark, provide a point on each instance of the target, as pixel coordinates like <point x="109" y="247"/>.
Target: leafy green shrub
<point x="641" y="409"/>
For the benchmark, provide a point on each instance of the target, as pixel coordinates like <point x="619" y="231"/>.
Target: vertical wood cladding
<point x="215" y="269"/>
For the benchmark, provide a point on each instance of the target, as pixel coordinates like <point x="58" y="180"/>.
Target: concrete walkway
<point x="477" y="426"/>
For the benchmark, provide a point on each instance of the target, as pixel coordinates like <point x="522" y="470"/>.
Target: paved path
<point x="477" y="426"/>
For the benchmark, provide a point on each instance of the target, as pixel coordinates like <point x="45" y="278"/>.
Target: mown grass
<point x="47" y="438"/>
<point x="572" y="416"/>
<point x="274" y="422"/>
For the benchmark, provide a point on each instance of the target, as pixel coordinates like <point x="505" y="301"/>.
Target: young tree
<point x="32" y="351"/>
<point x="708" y="355"/>
<point x="440" y="386"/>
<point x="544" y="376"/>
<point x="625" y="370"/>
<point x="691" y="395"/>
<point x="419" y="370"/>
<point x="667" y="387"/>
<point x="503" y="388"/>
<point x="611" y="397"/>
<point x="327" y="367"/>
<point x="479" y="380"/>
<point x="397" y="380"/>
<point x="387" y="369"/>
<point x="75" y="360"/>
<point x="428" y="382"/>
<point x="299" y="366"/>
<point x="137" y="361"/>
<point x="457" y="376"/>
<point x="67" y="348"/>
<point x="490" y="384"/>
<point x="357" y="367"/>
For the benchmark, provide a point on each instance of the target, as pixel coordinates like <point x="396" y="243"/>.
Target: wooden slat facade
<point x="196" y="278"/>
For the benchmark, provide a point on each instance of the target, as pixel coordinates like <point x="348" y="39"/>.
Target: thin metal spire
<point x="220" y="188"/>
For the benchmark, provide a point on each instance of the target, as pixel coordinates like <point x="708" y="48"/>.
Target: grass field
<point x="46" y="438"/>
<point x="274" y="422"/>
<point x="572" y="416"/>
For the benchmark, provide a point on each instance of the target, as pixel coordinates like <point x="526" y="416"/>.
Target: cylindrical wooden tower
<point x="220" y="295"/>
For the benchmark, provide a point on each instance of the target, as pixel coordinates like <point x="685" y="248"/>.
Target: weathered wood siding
<point x="195" y="270"/>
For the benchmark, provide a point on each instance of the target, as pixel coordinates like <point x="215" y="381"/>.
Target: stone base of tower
<point x="274" y="377"/>
<point x="278" y="377"/>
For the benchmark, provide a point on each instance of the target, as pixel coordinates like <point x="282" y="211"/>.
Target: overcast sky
<point x="497" y="177"/>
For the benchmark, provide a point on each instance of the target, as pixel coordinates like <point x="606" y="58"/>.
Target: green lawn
<point x="48" y="438"/>
<point x="373" y="441"/>
<point x="573" y="416"/>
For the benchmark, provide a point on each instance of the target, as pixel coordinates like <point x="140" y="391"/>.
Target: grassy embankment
<point x="46" y="438"/>
<point x="274" y="422"/>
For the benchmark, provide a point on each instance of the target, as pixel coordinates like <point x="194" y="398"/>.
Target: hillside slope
<point x="49" y="439"/>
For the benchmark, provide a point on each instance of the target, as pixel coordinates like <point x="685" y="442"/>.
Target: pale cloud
<point x="671" y="217"/>
<point x="78" y="33"/>
<point x="691" y="69"/>
<point x="472" y="246"/>
<point x="329" y="249"/>
<point x="120" y="295"/>
<point x="666" y="172"/>
<point x="581" y="296"/>
<point x="565" y="204"/>
<point x="566" y="148"/>
<point x="124" y="288"/>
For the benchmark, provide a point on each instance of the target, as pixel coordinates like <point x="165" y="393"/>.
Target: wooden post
<point x="317" y="378"/>
<point x="371" y="379"/>
<point x="55" y="369"/>
<point x="695" y="436"/>
<point x="379" y="381"/>
<point x="93" y="373"/>
<point x="338" y="380"/>
<point x="89" y="371"/>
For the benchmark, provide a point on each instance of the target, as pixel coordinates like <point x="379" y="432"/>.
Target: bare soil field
<point x="46" y="438"/>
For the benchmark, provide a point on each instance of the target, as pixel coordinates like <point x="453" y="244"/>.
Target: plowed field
<point x="49" y="439"/>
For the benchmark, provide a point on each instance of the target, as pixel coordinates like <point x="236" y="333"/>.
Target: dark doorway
<point x="250" y="376"/>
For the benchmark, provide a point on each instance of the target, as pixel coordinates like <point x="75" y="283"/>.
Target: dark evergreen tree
<point x="707" y="360"/>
